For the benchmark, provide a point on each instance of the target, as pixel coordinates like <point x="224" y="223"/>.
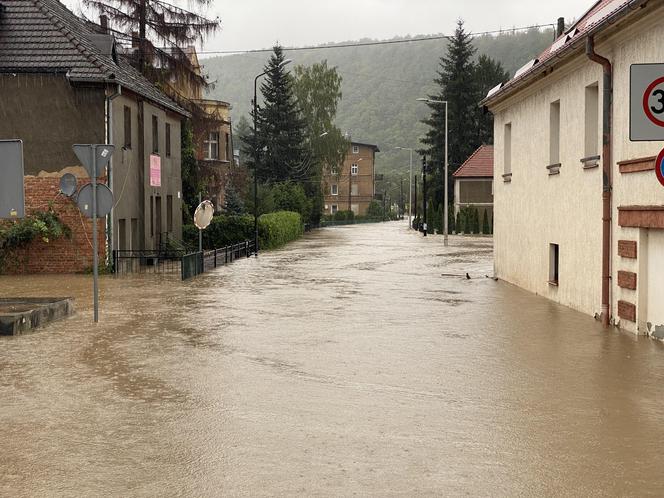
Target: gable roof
<point x="43" y="36"/>
<point x="602" y="13"/>
<point x="363" y="144"/>
<point x="478" y="165"/>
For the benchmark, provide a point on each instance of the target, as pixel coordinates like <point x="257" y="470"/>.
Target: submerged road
<point x="345" y="364"/>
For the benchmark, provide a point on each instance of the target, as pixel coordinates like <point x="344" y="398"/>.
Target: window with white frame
<point x="356" y="149"/>
<point x="212" y="146"/>
<point x="354" y="169"/>
<point x="335" y="189"/>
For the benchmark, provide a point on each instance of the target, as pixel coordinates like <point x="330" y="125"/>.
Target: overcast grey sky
<point x="252" y="24"/>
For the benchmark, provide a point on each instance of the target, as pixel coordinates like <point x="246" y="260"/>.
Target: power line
<point x="375" y="43"/>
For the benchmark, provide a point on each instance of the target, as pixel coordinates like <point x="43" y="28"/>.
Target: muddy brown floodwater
<point x="345" y="364"/>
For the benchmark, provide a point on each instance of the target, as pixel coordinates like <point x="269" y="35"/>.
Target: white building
<point x="554" y="176"/>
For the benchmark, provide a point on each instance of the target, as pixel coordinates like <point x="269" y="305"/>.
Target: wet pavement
<point x="345" y="364"/>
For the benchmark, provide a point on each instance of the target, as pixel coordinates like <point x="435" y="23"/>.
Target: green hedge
<point x="274" y="230"/>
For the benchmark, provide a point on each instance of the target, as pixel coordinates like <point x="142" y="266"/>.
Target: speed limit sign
<point x="646" y="102"/>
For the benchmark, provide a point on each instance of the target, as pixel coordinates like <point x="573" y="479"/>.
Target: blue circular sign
<point x="659" y="167"/>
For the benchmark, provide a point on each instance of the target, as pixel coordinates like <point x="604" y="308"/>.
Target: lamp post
<point x="445" y="201"/>
<point x="257" y="151"/>
<point x="410" y="186"/>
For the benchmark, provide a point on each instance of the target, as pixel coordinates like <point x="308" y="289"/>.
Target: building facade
<point x="473" y="182"/>
<point x="555" y="175"/>
<point x="71" y="86"/>
<point x="352" y="186"/>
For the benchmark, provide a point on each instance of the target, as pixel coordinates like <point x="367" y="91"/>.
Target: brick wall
<point x="63" y="255"/>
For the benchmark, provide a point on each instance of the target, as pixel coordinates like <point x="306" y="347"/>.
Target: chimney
<point x="103" y="22"/>
<point x="561" y="27"/>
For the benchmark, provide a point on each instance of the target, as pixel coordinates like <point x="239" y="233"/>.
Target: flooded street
<point x="345" y="364"/>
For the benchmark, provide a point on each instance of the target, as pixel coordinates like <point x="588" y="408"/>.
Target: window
<point x="127" y="127"/>
<point x="212" y="146"/>
<point x="151" y="216"/>
<point x="354" y="189"/>
<point x="354" y="169"/>
<point x="227" y="137"/>
<point x="135" y="236"/>
<point x="335" y="189"/>
<point x="334" y="209"/>
<point x="355" y="208"/>
<point x="507" y="153"/>
<point x="554" y="263"/>
<point x="168" y="140"/>
<point x="554" y="133"/>
<point x="356" y="149"/>
<point x="169" y="213"/>
<point x="592" y="122"/>
<point x="155" y="135"/>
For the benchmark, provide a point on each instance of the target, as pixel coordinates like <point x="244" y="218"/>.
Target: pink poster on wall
<point x="155" y="171"/>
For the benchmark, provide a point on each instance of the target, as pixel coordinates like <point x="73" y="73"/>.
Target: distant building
<point x="64" y="83"/>
<point x="473" y="182"/>
<point x="211" y="122"/>
<point x="576" y="221"/>
<point x="352" y="186"/>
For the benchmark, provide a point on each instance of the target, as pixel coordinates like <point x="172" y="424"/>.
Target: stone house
<point x="352" y="186"/>
<point x="580" y="218"/>
<point x="473" y="182"/>
<point x="63" y="83"/>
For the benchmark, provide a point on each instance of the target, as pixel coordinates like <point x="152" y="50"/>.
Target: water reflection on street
<point x="355" y="361"/>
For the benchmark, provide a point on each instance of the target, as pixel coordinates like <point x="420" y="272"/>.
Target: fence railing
<point x="187" y="264"/>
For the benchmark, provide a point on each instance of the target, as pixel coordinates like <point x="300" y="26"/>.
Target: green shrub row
<point x="274" y="230"/>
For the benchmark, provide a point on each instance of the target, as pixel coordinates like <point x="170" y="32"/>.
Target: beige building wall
<point x="536" y="209"/>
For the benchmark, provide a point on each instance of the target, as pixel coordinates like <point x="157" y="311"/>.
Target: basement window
<point x="554" y="264"/>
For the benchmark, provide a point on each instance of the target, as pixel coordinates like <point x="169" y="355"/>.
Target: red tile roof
<point x="478" y="165"/>
<point x="601" y="13"/>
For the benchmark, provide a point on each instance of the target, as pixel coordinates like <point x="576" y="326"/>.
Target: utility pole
<point x="401" y="200"/>
<point x="415" y="200"/>
<point x="424" y="195"/>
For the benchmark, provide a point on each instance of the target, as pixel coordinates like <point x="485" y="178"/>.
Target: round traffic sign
<point x="653" y="102"/>
<point x="659" y="167"/>
<point x="104" y="200"/>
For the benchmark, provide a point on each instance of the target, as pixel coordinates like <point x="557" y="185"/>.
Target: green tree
<point x="375" y="210"/>
<point x="488" y="74"/>
<point x="476" y="221"/>
<point x="281" y="135"/>
<point x="458" y="224"/>
<point x="191" y="184"/>
<point x="317" y="89"/>
<point x="289" y="196"/>
<point x="439" y="219"/>
<point x="456" y="85"/>
<point x="233" y="204"/>
<point x="242" y="134"/>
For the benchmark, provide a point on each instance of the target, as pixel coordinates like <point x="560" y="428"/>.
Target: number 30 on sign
<point x="646" y="102"/>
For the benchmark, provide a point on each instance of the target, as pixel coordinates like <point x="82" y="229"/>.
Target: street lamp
<point x="257" y="151"/>
<point x="445" y="202"/>
<point x="410" y="186"/>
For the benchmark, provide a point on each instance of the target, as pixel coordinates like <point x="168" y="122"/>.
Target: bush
<point x="344" y="216"/>
<point x="291" y="197"/>
<point x="375" y="210"/>
<point x="274" y="230"/>
<point x="278" y="229"/>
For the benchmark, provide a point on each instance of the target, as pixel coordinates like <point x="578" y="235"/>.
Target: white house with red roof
<point x="473" y="182"/>
<point x="579" y="211"/>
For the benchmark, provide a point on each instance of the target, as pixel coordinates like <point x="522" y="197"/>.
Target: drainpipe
<point x="108" y="123"/>
<point x="607" y="138"/>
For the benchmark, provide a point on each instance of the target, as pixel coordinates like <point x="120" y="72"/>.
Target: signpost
<point x="12" y="196"/>
<point x="94" y="159"/>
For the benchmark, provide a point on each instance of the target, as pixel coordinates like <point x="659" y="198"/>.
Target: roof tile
<point x="478" y="165"/>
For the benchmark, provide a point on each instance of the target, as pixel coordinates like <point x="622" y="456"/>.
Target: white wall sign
<point x="646" y="102"/>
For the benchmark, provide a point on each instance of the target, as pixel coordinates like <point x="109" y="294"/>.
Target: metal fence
<point x="151" y="261"/>
<point x="187" y="264"/>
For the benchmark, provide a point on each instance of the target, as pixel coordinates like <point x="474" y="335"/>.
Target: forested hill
<point x="380" y="84"/>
